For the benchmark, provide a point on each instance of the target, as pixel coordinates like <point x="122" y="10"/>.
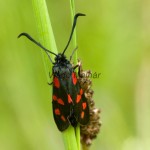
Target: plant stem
<point x="46" y="38"/>
<point x="72" y="137"/>
<point x="45" y="32"/>
<point x="74" y="38"/>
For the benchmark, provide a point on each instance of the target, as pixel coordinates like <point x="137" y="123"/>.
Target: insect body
<point x="68" y="100"/>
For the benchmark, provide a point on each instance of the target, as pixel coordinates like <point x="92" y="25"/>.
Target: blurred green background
<point x="113" y="39"/>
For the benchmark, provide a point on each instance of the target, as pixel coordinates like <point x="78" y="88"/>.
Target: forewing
<point x="61" y="103"/>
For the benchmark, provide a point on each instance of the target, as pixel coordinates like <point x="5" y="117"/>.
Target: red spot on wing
<point x="81" y="91"/>
<point x="84" y="105"/>
<point x="78" y="98"/>
<point x="57" y="111"/>
<point x="60" y="101"/>
<point x="56" y="82"/>
<point x="63" y="118"/>
<point x="74" y="78"/>
<point x="54" y="97"/>
<point x="82" y="114"/>
<point x="69" y="99"/>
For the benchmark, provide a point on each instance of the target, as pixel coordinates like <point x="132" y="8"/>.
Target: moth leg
<point x="50" y="75"/>
<point x="73" y="52"/>
<point x="79" y="68"/>
<point x="76" y="66"/>
<point x="49" y="83"/>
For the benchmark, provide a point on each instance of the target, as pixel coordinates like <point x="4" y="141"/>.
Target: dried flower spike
<point x="89" y="131"/>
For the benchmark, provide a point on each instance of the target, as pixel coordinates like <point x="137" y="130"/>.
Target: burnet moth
<point x="69" y="104"/>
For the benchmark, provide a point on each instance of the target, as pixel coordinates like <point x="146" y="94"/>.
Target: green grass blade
<point x="45" y="32"/>
<point x="70" y="139"/>
<point x="47" y="39"/>
<point x="74" y="39"/>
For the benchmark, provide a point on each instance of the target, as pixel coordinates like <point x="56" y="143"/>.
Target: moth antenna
<point x="37" y="43"/>
<point x="72" y="30"/>
<point x="73" y="52"/>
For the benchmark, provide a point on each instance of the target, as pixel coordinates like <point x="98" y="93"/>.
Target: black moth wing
<point x="62" y="101"/>
<point x="69" y="103"/>
<point x="81" y="108"/>
<point x="60" y="112"/>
